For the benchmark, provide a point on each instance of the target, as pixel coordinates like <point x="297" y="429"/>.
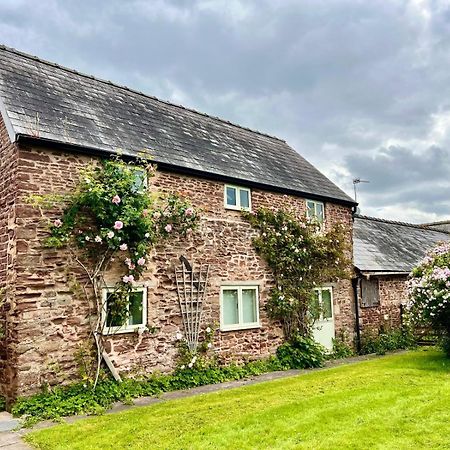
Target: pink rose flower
<point x="123" y="247"/>
<point x="128" y="279"/>
<point x="156" y="215"/>
<point x="141" y="261"/>
<point x="145" y="212"/>
<point x="189" y="212"/>
<point x="57" y="223"/>
<point x="110" y="234"/>
<point x="116" y="199"/>
<point x="128" y="262"/>
<point x="98" y="239"/>
<point x="118" y="225"/>
<point x="168" y="227"/>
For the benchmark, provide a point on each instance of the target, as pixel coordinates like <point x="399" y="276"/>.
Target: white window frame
<point x="241" y="325"/>
<point x="126" y="328"/>
<point x="315" y="202"/>
<point x="320" y="290"/>
<point x="237" y="207"/>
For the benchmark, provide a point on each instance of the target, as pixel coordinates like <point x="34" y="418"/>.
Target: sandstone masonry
<point x="46" y="320"/>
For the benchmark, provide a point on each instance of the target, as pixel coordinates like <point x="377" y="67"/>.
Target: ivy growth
<point x="112" y="216"/>
<point x="302" y="257"/>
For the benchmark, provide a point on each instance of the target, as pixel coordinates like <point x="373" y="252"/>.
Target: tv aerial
<point x="357" y="181"/>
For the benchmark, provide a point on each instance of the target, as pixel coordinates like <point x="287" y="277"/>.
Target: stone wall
<point x="51" y="318"/>
<point x="8" y="181"/>
<point x="392" y="292"/>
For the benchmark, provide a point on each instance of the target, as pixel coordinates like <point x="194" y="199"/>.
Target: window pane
<point x="139" y="179"/>
<point x="136" y="316"/>
<point x="230" y="307"/>
<point x="327" y="310"/>
<point x="231" y="196"/>
<point x="315" y="308"/>
<point x="112" y="319"/>
<point x="319" y="212"/>
<point x="310" y="209"/>
<point x="249" y="303"/>
<point x="245" y="198"/>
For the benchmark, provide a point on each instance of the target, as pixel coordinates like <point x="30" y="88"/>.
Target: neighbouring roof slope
<point x="45" y="100"/>
<point x="387" y="246"/>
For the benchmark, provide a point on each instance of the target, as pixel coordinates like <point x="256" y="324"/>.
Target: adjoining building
<point x="384" y="253"/>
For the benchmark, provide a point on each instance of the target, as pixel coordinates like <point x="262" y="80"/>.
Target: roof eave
<point x="39" y="141"/>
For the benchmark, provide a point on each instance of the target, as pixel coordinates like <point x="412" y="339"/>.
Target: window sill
<point x="124" y="330"/>
<point x="249" y="326"/>
<point x="237" y="208"/>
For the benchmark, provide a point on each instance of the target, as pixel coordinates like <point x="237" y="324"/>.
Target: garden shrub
<point x="2" y="403"/>
<point x="445" y="344"/>
<point x="341" y="349"/>
<point x="387" y="339"/>
<point x="301" y="352"/>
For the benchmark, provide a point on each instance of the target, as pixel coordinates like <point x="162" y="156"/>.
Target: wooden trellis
<point x="191" y="287"/>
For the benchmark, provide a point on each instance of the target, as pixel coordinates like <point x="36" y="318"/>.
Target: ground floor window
<point x="239" y="307"/>
<point x="137" y="311"/>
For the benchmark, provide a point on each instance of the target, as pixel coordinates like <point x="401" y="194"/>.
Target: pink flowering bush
<point x="429" y="289"/>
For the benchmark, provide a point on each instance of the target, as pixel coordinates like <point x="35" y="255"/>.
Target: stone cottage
<point x="53" y="122"/>
<point x="384" y="253"/>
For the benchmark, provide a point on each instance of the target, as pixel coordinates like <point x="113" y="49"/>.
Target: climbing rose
<point x="98" y="239"/>
<point x="168" y="228"/>
<point x="110" y="234"/>
<point x="128" y="262"/>
<point x="189" y="212"/>
<point x="57" y="223"/>
<point x="145" y="212"/>
<point x="123" y="247"/>
<point x="141" y="261"/>
<point x="156" y="215"/>
<point x="116" y="199"/>
<point x="179" y="336"/>
<point x="118" y="225"/>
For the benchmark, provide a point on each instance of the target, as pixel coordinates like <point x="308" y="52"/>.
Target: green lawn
<point x="396" y="402"/>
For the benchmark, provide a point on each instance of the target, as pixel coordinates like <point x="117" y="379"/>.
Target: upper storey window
<point x="236" y="197"/>
<point x="315" y="210"/>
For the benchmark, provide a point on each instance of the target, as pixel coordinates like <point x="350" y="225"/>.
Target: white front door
<point x="323" y="330"/>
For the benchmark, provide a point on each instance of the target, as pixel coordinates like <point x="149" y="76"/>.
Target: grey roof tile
<point x="80" y="109"/>
<point x="387" y="246"/>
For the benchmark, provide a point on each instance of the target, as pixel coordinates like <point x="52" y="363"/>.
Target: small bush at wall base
<point x="340" y="350"/>
<point x="80" y="398"/>
<point x="2" y="404"/>
<point x="387" y="340"/>
<point x="445" y="344"/>
<point x="301" y="353"/>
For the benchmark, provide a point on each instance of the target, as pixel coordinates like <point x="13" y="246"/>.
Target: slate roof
<point x="83" y="111"/>
<point x="386" y="246"/>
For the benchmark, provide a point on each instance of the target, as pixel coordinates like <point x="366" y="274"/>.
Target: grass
<point x="396" y="402"/>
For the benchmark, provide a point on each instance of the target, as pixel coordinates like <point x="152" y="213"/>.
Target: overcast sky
<point x="359" y="88"/>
